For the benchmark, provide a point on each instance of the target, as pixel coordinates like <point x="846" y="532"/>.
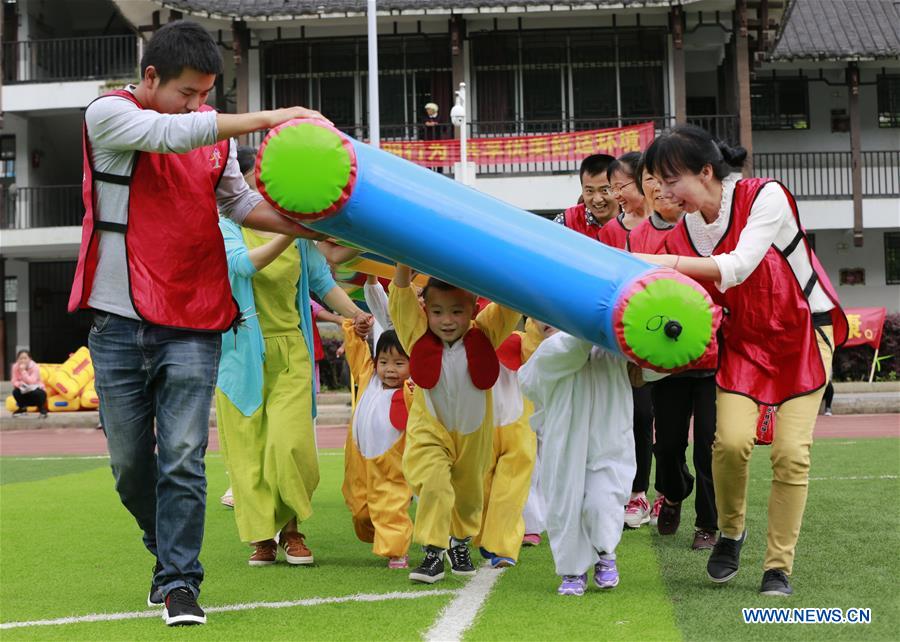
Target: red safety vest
<point x="768" y="349"/>
<point x="576" y="219"/>
<point x="177" y="271"/>
<point x="647" y="239"/>
<point x="615" y="233"/>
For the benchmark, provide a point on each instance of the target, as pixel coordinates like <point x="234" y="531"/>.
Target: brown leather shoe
<point x="704" y="540"/>
<point x="264" y="554"/>
<point x="295" y="550"/>
<point x="669" y="518"/>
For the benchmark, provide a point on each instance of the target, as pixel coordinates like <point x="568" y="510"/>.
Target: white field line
<point x="456" y="618"/>
<point x="840" y="478"/>
<point x="312" y="601"/>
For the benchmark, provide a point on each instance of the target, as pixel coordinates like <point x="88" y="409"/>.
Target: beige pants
<point x="736" y="418"/>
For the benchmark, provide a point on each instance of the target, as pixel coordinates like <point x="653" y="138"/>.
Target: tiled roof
<point x="839" y="30"/>
<point x="268" y="9"/>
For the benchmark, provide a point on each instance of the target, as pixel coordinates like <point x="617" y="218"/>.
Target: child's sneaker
<point x="637" y="512"/>
<point x="654" y="510"/>
<point x="498" y="561"/>
<point x="606" y="575"/>
<point x="431" y="569"/>
<point x="399" y="562"/>
<point x="227" y="499"/>
<point x="460" y="560"/>
<point x="264" y="553"/>
<point x="531" y="539"/>
<point x="573" y="585"/>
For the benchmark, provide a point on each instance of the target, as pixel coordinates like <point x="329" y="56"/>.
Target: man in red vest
<point x="597" y="205"/>
<point x="158" y="168"/>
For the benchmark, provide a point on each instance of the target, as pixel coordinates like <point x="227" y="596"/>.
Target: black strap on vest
<point x="793" y="244"/>
<point x="106" y="226"/>
<point x="810" y="284"/>
<point x="118" y="179"/>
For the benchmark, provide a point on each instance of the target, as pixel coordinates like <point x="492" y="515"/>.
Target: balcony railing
<point x="46" y="206"/>
<point x="68" y="59"/>
<point x="829" y="175"/>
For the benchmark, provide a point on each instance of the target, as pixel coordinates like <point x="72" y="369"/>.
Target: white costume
<point x="583" y="413"/>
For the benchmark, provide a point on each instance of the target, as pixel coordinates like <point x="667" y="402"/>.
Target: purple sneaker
<point x="606" y="575"/>
<point x="573" y="585"/>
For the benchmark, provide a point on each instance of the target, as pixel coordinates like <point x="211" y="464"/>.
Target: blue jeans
<point x="145" y="372"/>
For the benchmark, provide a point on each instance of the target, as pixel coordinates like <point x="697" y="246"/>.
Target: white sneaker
<point x="828" y="412"/>
<point x="227" y="499"/>
<point x="637" y="512"/>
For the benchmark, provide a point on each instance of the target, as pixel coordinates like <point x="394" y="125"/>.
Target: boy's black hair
<point x="386" y="341"/>
<point x="688" y="149"/>
<point x="626" y="163"/>
<point x="437" y="284"/>
<point x="594" y="164"/>
<point x="181" y="44"/>
<point x="246" y="156"/>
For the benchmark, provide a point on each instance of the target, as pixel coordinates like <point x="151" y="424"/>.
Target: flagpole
<point x="874" y="361"/>
<point x="374" y="115"/>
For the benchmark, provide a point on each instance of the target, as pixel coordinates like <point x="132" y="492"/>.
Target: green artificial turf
<point x="68" y="548"/>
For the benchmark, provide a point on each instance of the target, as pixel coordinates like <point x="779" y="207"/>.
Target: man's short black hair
<point x="181" y="44"/>
<point x="246" y="158"/>
<point x="595" y="164"/>
<point x="386" y="341"/>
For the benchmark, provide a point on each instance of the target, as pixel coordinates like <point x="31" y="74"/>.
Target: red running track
<point x="87" y="441"/>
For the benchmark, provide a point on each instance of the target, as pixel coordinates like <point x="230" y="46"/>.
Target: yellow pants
<point x="378" y="498"/>
<point x="506" y="487"/>
<point x="735" y="433"/>
<point x="446" y="472"/>
<point x="271" y="455"/>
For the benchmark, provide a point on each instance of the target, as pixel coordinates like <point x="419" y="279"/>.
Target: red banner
<point x="526" y="149"/>
<point x="866" y="325"/>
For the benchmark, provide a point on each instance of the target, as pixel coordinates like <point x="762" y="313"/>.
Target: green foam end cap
<point x="305" y="168"/>
<point x="647" y="314"/>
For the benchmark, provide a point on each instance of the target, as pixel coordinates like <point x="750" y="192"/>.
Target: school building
<point x="811" y="87"/>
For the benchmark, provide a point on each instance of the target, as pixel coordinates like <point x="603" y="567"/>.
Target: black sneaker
<point x="460" y="560"/>
<point x="431" y="569"/>
<point x="155" y="596"/>
<point x="775" y="583"/>
<point x="19" y="412"/>
<point x="182" y="608"/>
<point x="725" y="558"/>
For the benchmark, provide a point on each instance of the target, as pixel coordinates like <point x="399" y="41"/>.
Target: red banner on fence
<point x="866" y="325"/>
<point x="526" y="149"/>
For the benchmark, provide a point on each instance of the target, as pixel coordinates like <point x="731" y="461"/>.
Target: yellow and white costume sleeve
<point x="535" y="512"/>
<point x="507" y="482"/>
<point x="374" y="487"/>
<point x="450" y="428"/>
<point x="583" y="408"/>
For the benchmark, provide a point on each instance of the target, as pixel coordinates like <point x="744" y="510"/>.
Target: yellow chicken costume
<point x="508" y="480"/>
<point x="450" y="430"/>
<point x="374" y="487"/>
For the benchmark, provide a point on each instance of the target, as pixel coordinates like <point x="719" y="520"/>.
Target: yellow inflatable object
<point x="12" y="406"/>
<point x="72" y="376"/>
<point x="58" y="403"/>
<point x="89" y="399"/>
<point x="48" y="369"/>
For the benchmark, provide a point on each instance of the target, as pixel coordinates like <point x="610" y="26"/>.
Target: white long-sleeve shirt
<point x="771" y="222"/>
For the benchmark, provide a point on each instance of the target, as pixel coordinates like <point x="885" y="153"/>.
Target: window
<point x="888" y="101"/>
<point x="10" y="294"/>
<point x="892" y="258"/>
<point x="549" y="81"/>
<point x="780" y="103"/>
<point x="8" y="158"/>
<point x="332" y="76"/>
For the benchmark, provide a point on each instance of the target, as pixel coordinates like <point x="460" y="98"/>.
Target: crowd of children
<point x="503" y="428"/>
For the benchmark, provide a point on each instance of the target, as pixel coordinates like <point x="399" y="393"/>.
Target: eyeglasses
<point x="618" y="188"/>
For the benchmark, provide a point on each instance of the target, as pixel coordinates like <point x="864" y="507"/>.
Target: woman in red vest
<point x="743" y="240"/>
